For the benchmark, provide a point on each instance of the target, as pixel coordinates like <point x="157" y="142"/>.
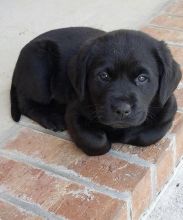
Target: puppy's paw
<point x="54" y="122"/>
<point x="97" y="145"/>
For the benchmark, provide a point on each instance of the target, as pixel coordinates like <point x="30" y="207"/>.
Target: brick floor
<point x="179" y="96"/>
<point x="182" y="72"/>
<point x="46" y="177"/>
<point x="105" y="170"/>
<point x="9" y="211"/>
<point x="177" y="53"/>
<point x="168" y="35"/>
<point x="56" y="194"/>
<point x="178" y="130"/>
<point x="168" y="21"/>
<point x="176" y="8"/>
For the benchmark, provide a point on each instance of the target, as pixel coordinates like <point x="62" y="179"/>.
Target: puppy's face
<point x="124" y="71"/>
<point x="123" y="80"/>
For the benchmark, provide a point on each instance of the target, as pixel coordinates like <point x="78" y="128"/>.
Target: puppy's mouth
<point x="117" y="125"/>
<point x="127" y="123"/>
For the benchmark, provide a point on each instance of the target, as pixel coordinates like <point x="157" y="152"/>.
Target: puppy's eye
<point x="104" y="76"/>
<point x="141" y="79"/>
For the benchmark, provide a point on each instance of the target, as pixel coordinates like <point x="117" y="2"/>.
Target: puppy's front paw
<point x="97" y="145"/>
<point x="54" y="122"/>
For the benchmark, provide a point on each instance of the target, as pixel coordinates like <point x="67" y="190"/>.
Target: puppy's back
<point x="44" y="60"/>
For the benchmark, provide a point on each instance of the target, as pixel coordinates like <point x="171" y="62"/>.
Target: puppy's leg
<point x="92" y="140"/>
<point x="47" y="115"/>
<point x="150" y="135"/>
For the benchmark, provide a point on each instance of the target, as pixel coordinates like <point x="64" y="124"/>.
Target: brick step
<point x="56" y="194"/>
<point x="9" y="211"/>
<point x="35" y="167"/>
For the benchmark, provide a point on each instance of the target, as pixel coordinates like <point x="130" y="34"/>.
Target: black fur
<point x="103" y="87"/>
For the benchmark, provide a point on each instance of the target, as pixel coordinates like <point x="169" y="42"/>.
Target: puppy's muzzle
<point x="121" y="110"/>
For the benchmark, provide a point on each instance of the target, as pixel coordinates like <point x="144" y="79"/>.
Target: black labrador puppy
<point x="103" y="87"/>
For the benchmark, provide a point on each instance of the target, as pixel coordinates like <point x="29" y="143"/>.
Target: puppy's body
<point x="60" y="81"/>
<point x="40" y="81"/>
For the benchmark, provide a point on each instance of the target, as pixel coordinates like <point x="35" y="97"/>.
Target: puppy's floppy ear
<point x="169" y="70"/>
<point x="77" y="70"/>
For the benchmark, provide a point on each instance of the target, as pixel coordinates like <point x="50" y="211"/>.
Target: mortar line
<point x="132" y="159"/>
<point x="17" y="206"/>
<point x="180" y="85"/>
<point x="177" y="47"/>
<point x="174" y="44"/>
<point x="129" y="208"/>
<point x="159" y="26"/>
<point x="154" y="180"/>
<point x="64" y="135"/>
<point x="180" y="109"/>
<point x="46" y="132"/>
<point x="14" y="131"/>
<point x="170" y="43"/>
<point x="66" y="174"/>
<point x="29" y="207"/>
<point x="172" y="15"/>
<point x="174" y="148"/>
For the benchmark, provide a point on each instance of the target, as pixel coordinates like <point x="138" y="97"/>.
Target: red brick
<point x="151" y="153"/>
<point x="139" y="202"/>
<point x="105" y="170"/>
<point x="159" y="154"/>
<point x="179" y="96"/>
<point x="165" y="34"/>
<point x="177" y="53"/>
<point x="178" y="130"/>
<point x="57" y="195"/>
<point x="46" y="147"/>
<point x="177" y="120"/>
<point x="176" y="8"/>
<point x="11" y="212"/>
<point x="120" y="175"/>
<point x="168" y="21"/>
<point x="181" y="68"/>
<point x="164" y="168"/>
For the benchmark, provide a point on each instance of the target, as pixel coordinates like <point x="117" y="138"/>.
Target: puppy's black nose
<point x="122" y="109"/>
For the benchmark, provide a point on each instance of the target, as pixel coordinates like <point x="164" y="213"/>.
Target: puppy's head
<point x="122" y="73"/>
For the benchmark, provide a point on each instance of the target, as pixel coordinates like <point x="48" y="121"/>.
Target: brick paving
<point x="46" y="177"/>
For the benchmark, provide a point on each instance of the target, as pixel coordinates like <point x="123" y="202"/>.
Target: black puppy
<point x="103" y="87"/>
